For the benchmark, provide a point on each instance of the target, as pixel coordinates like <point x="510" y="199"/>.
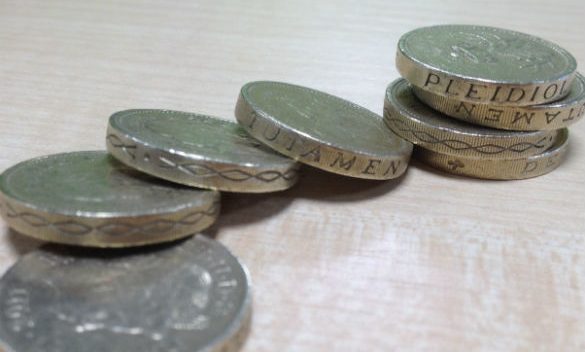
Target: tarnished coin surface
<point x="411" y="119"/>
<point x="499" y="169"/>
<point x="90" y="199"/>
<point x="185" y="297"/>
<point x="197" y="150"/>
<point x="321" y="130"/>
<point x="551" y="116"/>
<point x="485" y="65"/>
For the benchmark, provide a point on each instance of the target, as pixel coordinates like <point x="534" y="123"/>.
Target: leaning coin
<point x="184" y="297"/>
<point x="485" y="65"/>
<point x="90" y="199"/>
<point x="496" y="169"/>
<point x="549" y="116"/>
<point x="321" y="130"/>
<point x="411" y="119"/>
<point x="197" y="150"/>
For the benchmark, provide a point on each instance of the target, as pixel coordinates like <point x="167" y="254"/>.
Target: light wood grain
<point x="429" y="262"/>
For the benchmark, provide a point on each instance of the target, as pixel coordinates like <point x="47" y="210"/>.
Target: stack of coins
<point x="484" y="102"/>
<point x="158" y="182"/>
<point x="161" y="176"/>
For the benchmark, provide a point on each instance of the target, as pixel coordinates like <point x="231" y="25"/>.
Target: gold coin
<point x="498" y="169"/>
<point x="549" y="116"/>
<point x="90" y="199"/>
<point x="409" y="118"/>
<point x="322" y="130"/>
<point x="197" y="150"/>
<point x="485" y="65"/>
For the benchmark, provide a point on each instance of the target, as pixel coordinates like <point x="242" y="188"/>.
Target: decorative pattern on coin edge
<point x="498" y="169"/>
<point x="458" y="145"/>
<point x="202" y="169"/>
<point x="110" y="228"/>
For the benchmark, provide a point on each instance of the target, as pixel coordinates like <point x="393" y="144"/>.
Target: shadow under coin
<point x="574" y="144"/>
<point x="241" y="208"/>
<point x="110" y="252"/>
<point x="326" y="186"/>
<point x="22" y="244"/>
<point x="19" y="243"/>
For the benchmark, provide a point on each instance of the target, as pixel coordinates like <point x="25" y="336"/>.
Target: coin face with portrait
<point x="184" y="297"/>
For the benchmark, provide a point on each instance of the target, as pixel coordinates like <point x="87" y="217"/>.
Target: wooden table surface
<point x="429" y="262"/>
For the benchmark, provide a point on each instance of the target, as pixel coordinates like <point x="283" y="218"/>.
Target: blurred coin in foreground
<point x="184" y="297"/>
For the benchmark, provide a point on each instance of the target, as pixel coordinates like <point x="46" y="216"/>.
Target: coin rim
<point x="113" y="122"/>
<point x="563" y="104"/>
<point x="287" y="166"/>
<point x="105" y="240"/>
<point x="563" y="76"/>
<point x="264" y="114"/>
<point x="214" y="195"/>
<point x="560" y="148"/>
<point x="245" y="106"/>
<point x="239" y="329"/>
<point x="390" y="102"/>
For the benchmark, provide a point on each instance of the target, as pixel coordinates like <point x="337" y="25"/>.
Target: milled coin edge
<point x="494" y="169"/>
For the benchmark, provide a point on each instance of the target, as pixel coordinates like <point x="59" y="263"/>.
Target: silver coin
<point x="191" y="296"/>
